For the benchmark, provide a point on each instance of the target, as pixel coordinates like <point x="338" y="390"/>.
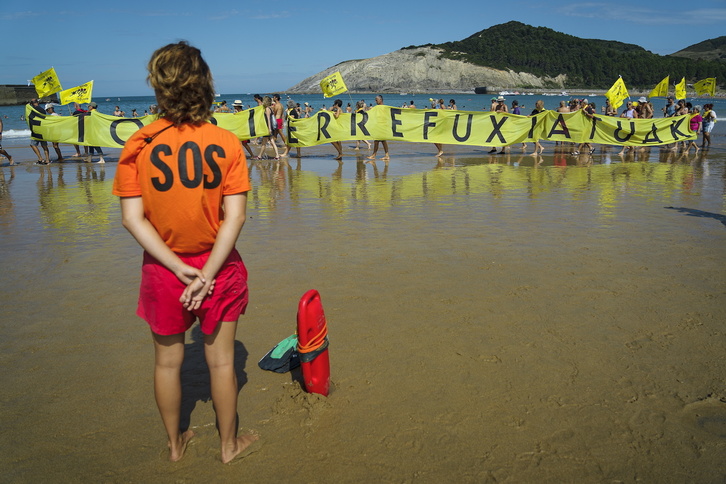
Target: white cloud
<point x="643" y="15"/>
<point x="18" y="15"/>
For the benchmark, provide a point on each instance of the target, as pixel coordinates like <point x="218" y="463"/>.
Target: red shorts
<point x="279" y="124"/>
<point x="160" y="292"/>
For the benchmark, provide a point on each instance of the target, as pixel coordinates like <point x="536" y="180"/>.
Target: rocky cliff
<point x="422" y="70"/>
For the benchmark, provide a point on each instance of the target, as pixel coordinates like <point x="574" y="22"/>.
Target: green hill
<point x="711" y="49"/>
<point x="588" y="63"/>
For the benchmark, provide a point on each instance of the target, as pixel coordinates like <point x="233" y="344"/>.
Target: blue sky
<point x="271" y="46"/>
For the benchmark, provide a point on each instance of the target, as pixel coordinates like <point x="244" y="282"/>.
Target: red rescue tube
<point x="312" y="340"/>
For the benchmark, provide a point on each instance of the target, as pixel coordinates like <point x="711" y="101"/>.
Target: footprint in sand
<point x="708" y="415"/>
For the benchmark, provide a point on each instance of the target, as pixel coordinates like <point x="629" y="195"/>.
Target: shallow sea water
<point x="493" y="318"/>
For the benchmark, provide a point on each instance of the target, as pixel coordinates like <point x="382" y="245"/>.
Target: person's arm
<point x="135" y="221"/>
<point x="235" y="213"/>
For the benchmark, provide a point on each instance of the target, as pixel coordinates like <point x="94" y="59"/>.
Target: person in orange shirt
<point x="183" y="185"/>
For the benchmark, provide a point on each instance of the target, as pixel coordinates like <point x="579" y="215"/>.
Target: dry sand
<point x="495" y="321"/>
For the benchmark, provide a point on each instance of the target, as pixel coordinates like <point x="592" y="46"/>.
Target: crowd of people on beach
<point x="702" y="120"/>
<point x="640" y="109"/>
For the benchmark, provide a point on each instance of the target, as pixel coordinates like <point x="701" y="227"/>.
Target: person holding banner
<point x="238" y="107"/>
<point x="337" y="110"/>
<point x="79" y="111"/>
<point x="695" y="125"/>
<point x="360" y="108"/>
<point x="439" y="146"/>
<point x="272" y="125"/>
<point x="279" y="113"/>
<point x="35" y="104"/>
<point x="50" y="110"/>
<point x="670" y="109"/>
<point x="91" y="108"/>
<point x="379" y="102"/>
<point x="293" y="112"/>
<point x="538" y="108"/>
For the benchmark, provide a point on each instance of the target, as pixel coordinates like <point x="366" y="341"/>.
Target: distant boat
<point x="217" y="95"/>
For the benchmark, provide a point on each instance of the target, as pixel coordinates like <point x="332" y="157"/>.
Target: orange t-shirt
<point x="182" y="175"/>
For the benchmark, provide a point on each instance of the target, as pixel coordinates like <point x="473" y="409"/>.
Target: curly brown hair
<point x="182" y="83"/>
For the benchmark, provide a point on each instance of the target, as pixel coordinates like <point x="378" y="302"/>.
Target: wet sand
<point x="492" y="319"/>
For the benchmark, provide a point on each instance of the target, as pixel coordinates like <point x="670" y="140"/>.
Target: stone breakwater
<point x="423" y="69"/>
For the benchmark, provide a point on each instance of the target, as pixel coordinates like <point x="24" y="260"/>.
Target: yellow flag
<point x="661" y="89"/>
<point x="78" y="94"/>
<point x="706" y="86"/>
<point x="333" y="85"/>
<point x="617" y="94"/>
<point x="46" y="83"/>
<point x="681" y="89"/>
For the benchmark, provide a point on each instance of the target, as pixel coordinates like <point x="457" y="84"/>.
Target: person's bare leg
<point x="263" y="146"/>
<point x="385" y="150"/>
<point x="7" y="155"/>
<point x="169" y="356"/>
<point x="339" y="148"/>
<point x="58" y="152"/>
<point x="375" y="150"/>
<point x="219" y="353"/>
<point x="37" y="152"/>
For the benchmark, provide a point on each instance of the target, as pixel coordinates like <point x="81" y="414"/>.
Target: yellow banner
<point x="478" y="128"/>
<point x="661" y="89"/>
<point x="681" y="89"/>
<point x="79" y="94"/>
<point x="98" y="129"/>
<point x="706" y="86"/>
<point x="46" y="83"/>
<point x="474" y="128"/>
<point x="333" y="85"/>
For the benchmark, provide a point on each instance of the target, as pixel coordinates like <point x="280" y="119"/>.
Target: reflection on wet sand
<point x="493" y="318"/>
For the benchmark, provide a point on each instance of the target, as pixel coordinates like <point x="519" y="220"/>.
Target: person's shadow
<point x="692" y="212"/>
<point x="195" y="379"/>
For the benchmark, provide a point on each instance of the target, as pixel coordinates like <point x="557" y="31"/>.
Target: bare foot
<point x="176" y="452"/>
<point x="385" y="158"/>
<point x="242" y="444"/>
<point x="372" y="157"/>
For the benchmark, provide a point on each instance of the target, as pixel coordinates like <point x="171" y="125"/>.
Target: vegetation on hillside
<point x="586" y="62"/>
<point x="711" y="49"/>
